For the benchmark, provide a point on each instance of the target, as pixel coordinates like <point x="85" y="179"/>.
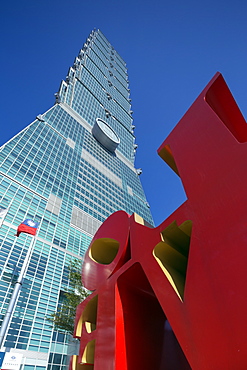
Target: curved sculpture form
<point x="174" y="297"/>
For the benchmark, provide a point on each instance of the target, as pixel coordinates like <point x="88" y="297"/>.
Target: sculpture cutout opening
<point x="88" y="354"/>
<point x="145" y="322"/>
<point x="104" y="250"/>
<point x="88" y="316"/>
<point x="168" y="157"/>
<point x="172" y="254"/>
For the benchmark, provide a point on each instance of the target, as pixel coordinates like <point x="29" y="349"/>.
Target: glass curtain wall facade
<point x="68" y="170"/>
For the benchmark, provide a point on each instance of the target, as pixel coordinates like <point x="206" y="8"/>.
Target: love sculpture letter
<point x="175" y="296"/>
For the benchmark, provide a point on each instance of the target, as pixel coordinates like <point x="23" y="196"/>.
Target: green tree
<point x="69" y="299"/>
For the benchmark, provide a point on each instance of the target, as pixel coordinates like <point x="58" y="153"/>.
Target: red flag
<point x="28" y="226"/>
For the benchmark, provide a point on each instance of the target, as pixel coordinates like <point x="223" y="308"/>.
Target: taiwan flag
<point x="27" y="226"/>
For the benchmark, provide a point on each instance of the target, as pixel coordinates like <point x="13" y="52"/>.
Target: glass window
<point x="22" y="340"/>
<point x="57" y="358"/>
<point x="21" y="346"/>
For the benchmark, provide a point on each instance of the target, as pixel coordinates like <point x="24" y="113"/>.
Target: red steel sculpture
<point x="175" y="296"/>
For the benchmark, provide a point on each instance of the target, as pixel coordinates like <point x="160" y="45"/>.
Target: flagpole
<point x="14" y="296"/>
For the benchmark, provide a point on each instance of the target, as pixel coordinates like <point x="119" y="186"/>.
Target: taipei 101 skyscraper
<point x="68" y="170"/>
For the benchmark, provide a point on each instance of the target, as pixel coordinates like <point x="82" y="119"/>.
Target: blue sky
<point x="172" y="50"/>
